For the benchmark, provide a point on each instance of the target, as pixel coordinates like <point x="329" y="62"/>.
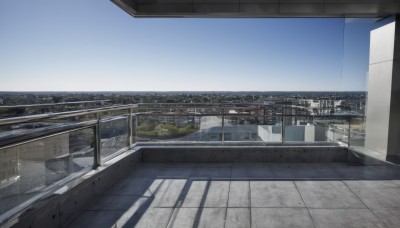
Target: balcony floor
<point x="249" y="195"/>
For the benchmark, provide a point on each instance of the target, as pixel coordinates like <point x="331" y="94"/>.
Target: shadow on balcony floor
<point x="249" y="195"/>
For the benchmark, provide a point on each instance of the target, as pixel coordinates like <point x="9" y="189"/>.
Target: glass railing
<point x="357" y="132"/>
<point x="29" y="168"/>
<point x="168" y="124"/>
<point x="114" y="135"/>
<point x="40" y="152"/>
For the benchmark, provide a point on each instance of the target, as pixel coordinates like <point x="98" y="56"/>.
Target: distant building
<point x="231" y="133"/>
<point x="302" y="133"/>
<point x="1" y="101"/>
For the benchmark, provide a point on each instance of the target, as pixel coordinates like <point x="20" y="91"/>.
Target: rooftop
<point x="248" y="195"/>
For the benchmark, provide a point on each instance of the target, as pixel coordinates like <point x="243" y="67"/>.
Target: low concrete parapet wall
<point x="62" y="206"/>
<point x="210" y="154"/>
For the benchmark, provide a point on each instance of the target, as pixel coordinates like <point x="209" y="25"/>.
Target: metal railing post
<point x="282" y="131"/>
<point x="97" y="137"/>
<point x="130" y="128"/>
<point x="223" y="126"/>
<point x="348" y="137"/>
<point x="136" y="126"/>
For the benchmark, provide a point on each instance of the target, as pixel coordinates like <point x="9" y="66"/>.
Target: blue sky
<point x="91" y="45"/>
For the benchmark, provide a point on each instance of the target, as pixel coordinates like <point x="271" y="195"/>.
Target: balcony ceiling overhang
<point x="259" y="8"/>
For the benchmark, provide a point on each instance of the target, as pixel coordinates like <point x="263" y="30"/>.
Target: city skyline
<point x="100" y="48"/>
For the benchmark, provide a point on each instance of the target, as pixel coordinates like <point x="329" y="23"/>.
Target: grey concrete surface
<point x="345" y="218"/>
<point x="240" y="191"/>
<point x="328" y="194"/>
<point x="237" y="217"/>
<point x="275" y="194"/>
<point x="248" y="195"/>
<point x="379" y="197"/>
<point x="280" y="217"/>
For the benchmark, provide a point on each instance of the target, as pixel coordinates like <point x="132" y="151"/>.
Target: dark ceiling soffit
<point x="131" y="7"/>
<point x="125" y="7"/>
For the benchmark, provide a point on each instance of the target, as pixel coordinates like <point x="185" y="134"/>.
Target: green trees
<point x="152" y="129"/>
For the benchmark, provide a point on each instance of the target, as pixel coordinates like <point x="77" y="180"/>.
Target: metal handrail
<point x="22" y="139"/>
<point x="25" y="119"/>
<point x="244" y="114"/>
<point x="244" y="106"/>
<point x="48" y="135"/>
<point x="51" y="104"/>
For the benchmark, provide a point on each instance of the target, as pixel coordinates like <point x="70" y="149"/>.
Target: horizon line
<point x="173" y="91"/>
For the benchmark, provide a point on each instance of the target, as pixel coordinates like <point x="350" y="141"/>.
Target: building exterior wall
<point x="269" y="133"/>
<point x="380" y="87"/>
<point x="394" y="124"/>
<point x="294" y="133"/>
<point x="309" y="133"/>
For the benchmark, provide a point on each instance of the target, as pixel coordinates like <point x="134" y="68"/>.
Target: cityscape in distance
<point x="316" y="102"/>
<point x="276" y="116"/>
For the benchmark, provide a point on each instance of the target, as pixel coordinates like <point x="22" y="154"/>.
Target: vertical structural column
<point x="97" y="137"/>
<point x="223" y="126"/>
<point x="383" y="106"/>
<point x="130" y="128"/>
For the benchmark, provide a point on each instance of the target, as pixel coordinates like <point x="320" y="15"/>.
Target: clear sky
<point x="92" y="45"/>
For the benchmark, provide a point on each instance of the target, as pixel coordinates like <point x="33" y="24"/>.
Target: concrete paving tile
<point x="154" y="218"/>
<point x="360" y="173"/>
<point x="212" y="218"/>
<point x="180" y="165"/>
<point x="166" y="192"/>
<point x="175" y="172"/>
<point x="274" y="194"/>
<point x="370" y="184"/>
<point x="310" y="170"/>
<point x="396" y="182"/>
<point x="96" y="219"/>
<point x="146" y="171"/>
<point x="207" y="194"/>
<point x="211" y="172"/>
<point x="283" y="170"/>
<point x="237" y="218"/>
<point x="280" y="217"/>
<point x="217" y="195"/>
<point x="198" y="217"/>
<point x="320" y="184"/>
<point x="196" y="193"/>
<point x="390" y="216"/>
<point x="116" y="203"/>
<point x="183" y="217"/>
<point x="131" y="186"/>
<point x="251" y="172"/>
<point x="239" y="172"/>
<point x="267" y="184"/>
<point x="380" y="197"/>
<point x="161" y="185"/>
<point x="239" y="194"/>
<point x="352" y="218"/>
<point x="133" y="214"/>
<point x="328" y="194"/>
<point x="387" y="172"/>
